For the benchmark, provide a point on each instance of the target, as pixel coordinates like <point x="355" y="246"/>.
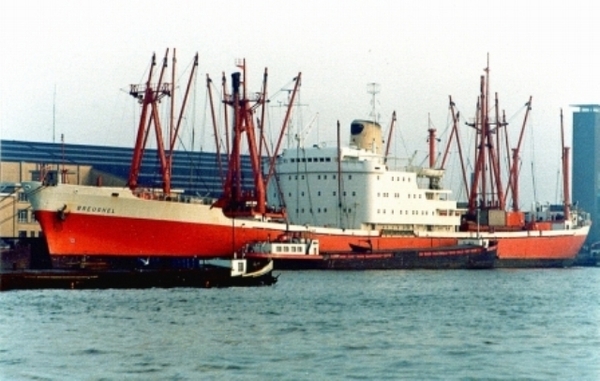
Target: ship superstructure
<point x="356" y="187"/>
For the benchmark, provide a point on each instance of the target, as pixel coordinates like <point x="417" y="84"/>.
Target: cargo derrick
<point x="486" y="193"/>
<point x="149" y="96"/>
<point x="236" y="201"/>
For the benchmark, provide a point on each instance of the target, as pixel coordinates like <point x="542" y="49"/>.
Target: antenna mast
<point x="374" y="89"/>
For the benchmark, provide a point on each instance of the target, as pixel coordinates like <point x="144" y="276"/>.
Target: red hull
<point x="142" y="237"/>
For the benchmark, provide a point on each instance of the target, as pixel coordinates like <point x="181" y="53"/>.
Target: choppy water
<point x="380" y="325"/>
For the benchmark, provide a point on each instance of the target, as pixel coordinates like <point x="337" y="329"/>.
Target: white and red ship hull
<point x="104" y="221"/>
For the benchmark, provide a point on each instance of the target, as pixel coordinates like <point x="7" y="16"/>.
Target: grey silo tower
<point x="586" y="164"/>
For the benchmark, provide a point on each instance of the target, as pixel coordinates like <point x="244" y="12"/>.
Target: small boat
<point x="294" y="252"/>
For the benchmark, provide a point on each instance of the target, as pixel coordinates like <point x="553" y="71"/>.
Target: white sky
<point x="420" y="52"/>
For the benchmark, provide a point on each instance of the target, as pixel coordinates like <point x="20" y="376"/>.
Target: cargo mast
<point x="565" y="170"/>
<point x="487" y="190"/>
<point x="486" y="157"/>
<point x="149" y="96"/>
<point x="235" y="201"/>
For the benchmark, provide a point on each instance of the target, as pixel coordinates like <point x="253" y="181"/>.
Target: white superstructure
<point x="361" y="190"/>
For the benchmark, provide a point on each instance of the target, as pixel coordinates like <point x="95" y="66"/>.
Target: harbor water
<point x="368" y="325"/>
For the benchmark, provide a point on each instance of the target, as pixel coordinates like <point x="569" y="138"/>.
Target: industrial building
<point x="586" y="164"/>
<point x="193" y="173"/>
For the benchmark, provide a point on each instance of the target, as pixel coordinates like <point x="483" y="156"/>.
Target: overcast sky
<point x="65" y="65"/>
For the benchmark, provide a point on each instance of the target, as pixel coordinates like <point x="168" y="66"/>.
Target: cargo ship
<point x="296" y="252"/>
<point x="341" y="195"/>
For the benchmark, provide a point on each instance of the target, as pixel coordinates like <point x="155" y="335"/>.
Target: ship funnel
<point x="235" y="82"/>
<point x="365" y="134"/>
